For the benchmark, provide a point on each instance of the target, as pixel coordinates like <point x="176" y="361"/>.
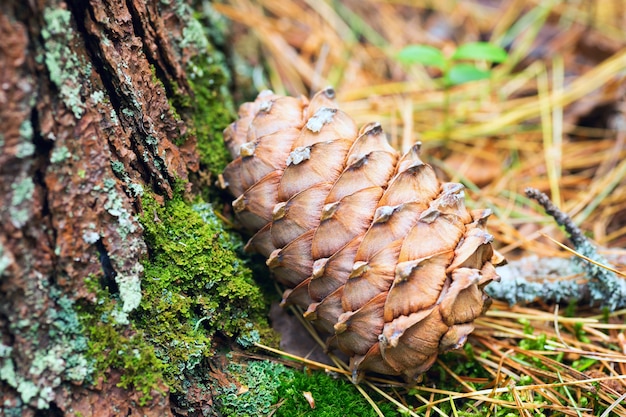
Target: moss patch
<point x="333" y="397"/>
<point x="212" y="112"/>
<point x="209" y="109"/>
<point x="194" y="286"/>
<point x="115" y="346"/>
<point x="268" y="387"/>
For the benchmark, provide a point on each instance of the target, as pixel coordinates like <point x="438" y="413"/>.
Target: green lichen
<point x="129" y="285"/>
<point x="26" y="130"/>
<point x="118" y="168"/>
<point x="70" y="342"/>
<point x="26" y="147"/>
<point x="114" y="119"/>
<point x="12" y="410"/>
<point x="62" y="359"/>
<point x="59" y="154"/>
<point x="115" y="206"/>
<point x="193" y="35"/>
<point x="97" y="96"/>
<point x="127" y="279"/>
<point x="194" y="286"/>
<point x="135" y="189"/>
<point x="260" y="396"/>
<point x="22" y="191"/>
<point x="19" y="210"/>
<point x="128" y="112"/>
<point x="152" y="141"/>
<point x="91" y="237"/>
<point x="67" y="70"/>
<point x="7" y="367"/>
<point x="5" y="260"/>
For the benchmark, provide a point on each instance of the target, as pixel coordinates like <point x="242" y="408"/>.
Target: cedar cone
<point x="381" y="256"/>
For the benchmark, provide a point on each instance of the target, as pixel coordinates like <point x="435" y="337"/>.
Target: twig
<point x="574" y="233"/>
<point x="561" y="283"/>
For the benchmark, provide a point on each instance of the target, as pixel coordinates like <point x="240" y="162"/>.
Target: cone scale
<point x="380" y="255"/>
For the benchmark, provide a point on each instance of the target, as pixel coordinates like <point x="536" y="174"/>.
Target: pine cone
<point x="381" y="255"/>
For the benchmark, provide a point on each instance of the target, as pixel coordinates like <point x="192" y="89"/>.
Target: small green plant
<point x="456" y="69"/>
<point x="469" y="62"/>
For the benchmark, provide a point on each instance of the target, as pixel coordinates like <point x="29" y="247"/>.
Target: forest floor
<point x="552" y="116"/>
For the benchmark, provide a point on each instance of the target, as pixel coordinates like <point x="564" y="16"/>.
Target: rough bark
<point x="87" y="127"/>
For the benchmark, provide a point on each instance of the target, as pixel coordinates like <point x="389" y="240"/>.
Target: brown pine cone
<point x="380" y="254"/>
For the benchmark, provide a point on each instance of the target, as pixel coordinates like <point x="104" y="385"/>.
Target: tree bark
<point x="88" y="125"/>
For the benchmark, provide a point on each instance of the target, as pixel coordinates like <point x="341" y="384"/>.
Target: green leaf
<point x="463" y="73"/>
<point x="422" y="54"/>
<point x="480" y="51"/>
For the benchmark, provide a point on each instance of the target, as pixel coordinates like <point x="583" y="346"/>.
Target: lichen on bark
<point x="105" y="105"/>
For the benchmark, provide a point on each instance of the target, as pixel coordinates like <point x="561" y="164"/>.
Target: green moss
<point x="212" y="113"/>
<point x="210" y="109"/>
<point x="115" y="346"/>
<point x="194" y="286"/>
<point x="333" y="397"/>
<point x="268" y="387"/>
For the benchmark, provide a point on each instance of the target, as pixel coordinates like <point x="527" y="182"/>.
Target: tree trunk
<point x="95" y="112"/>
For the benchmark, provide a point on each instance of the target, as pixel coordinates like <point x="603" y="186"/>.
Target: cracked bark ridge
<point x="86" y="128"/>
<point x="381" y="256"/>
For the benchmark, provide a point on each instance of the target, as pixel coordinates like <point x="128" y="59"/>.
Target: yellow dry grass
<point x="552" y="117"/>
